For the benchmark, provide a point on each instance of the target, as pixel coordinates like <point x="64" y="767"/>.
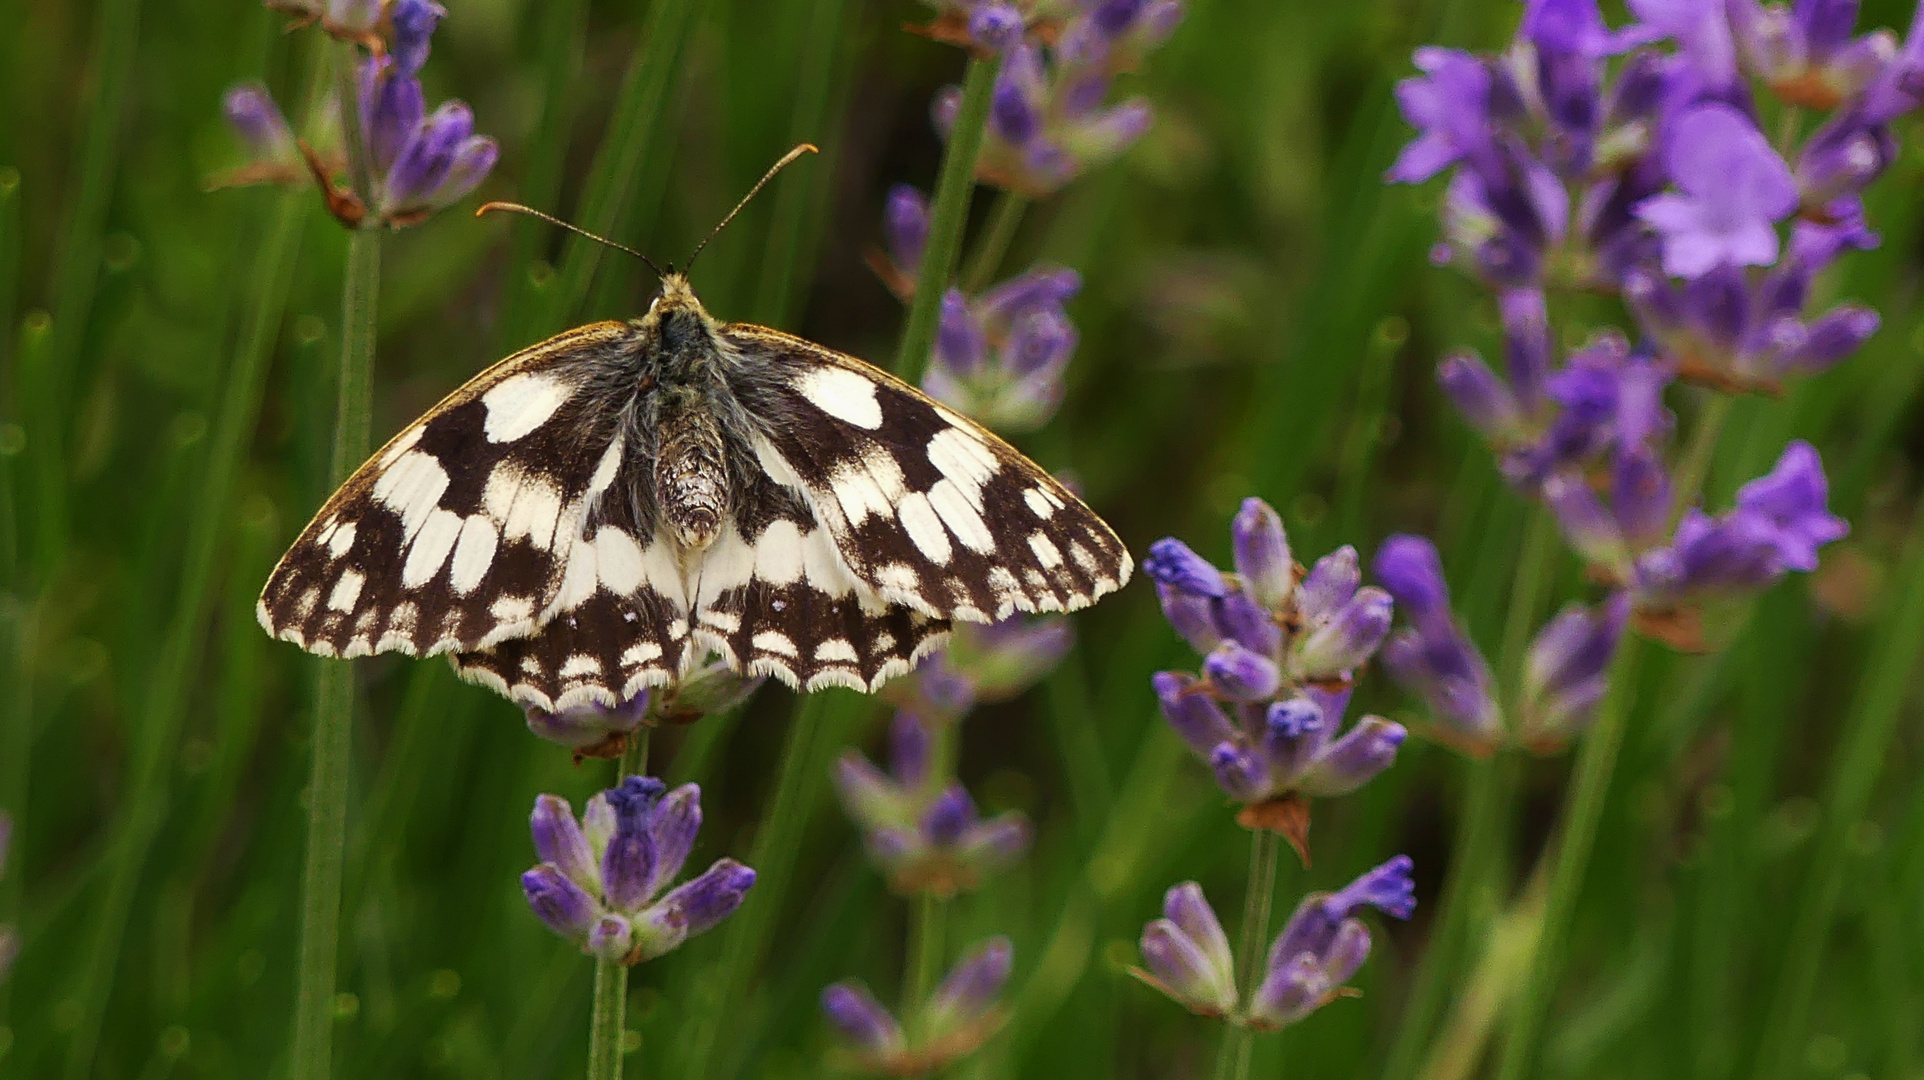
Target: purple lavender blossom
<point x="1733" y="190"/>
<point x="1434" y="659"/>
<point x="922" y="829"/>
<point x="255" y="117"/>
<point x="600" y="880"/>
<point x="1048" y="122"/>
<point x="1186" y="955"/>
<point x="958" y="1017"/>
<point x="1807" y="54"/>
<point x="595" y="729"/>
<point x="1778" y="524"/>
<point x="1324" y="944"/>
<point x="983" y="663"/>
<point x="1279" y="656"/>
<point x="1449" y="105"/>
<point x="1000" y="357"/>
<point x="1564" y="675"/>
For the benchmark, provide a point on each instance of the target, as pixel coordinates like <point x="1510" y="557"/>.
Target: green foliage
<point x="1258" y="318"/>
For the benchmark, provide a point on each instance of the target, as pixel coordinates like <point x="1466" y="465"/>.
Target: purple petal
<point x="1171" y="562"/>
<point x="1194" y="715"/>
<point x="711" y="897"/>
<point x="1351" y="761"/>
<point x="1262" y="554"/>
<point x="559" y="841"/>
<point x="860" y="1018"/>
<point x="563" y="905"/>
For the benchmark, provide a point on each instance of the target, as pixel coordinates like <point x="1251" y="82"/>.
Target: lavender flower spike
<point x="1564" y="673"/>
<point x="598" y="881"/>
<point x="1323" y="945"/>
<point x="968" y="993"/>
<point x="955" y="1021"/>
<point x="1001" y="356"/>
<point x="923" y="832"/>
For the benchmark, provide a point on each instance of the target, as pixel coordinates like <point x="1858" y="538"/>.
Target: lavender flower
<point x="1280" y="653"/>
<point x="1779" y="522"/>
<point x="954" y="1022"/>
<point x="418" y="162"/>
<point x="595" y="729"/>
<point x="1186" y="955"/>
<point x="1806" y="54"/>
<point x="1434" y="659"/>
<point x="983" y="663"/>
<point x="1734" y="189"/>
<point x="600" y="881"/>
<point x="1000" y="357"/>
<point x="921" y="829"/>
<point x="1047" y="120"/>
<point x="1564" y="673"/>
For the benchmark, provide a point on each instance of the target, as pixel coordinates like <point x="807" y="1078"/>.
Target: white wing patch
<point x="520" y="403"/>
<point x="843" y="394"/>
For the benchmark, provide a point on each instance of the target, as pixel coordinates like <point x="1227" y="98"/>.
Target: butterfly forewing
<point x="927" y="508"/>
<point x="457" y="534"/>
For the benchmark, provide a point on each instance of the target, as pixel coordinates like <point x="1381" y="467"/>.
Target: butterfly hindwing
<point x="458" y="533"/>
<point x="928" y="509"/>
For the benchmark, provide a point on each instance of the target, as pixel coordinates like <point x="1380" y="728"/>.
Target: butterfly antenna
<point x="787" y="160"/>
<point x="517" y="208"/>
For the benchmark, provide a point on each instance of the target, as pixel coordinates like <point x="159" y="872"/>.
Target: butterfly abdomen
<point x="691" y="477"/>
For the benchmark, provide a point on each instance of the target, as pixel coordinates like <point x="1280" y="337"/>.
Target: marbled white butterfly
<point x="596" y="513"/>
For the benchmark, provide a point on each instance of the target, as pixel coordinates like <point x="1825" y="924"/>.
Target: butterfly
<point x="598" y="513"/>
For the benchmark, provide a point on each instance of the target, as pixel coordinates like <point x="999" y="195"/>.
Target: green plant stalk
<point x="78" y="269"/>
<point x="1232" y="1061"/>
<point x="636" y="126"/>
<point x="1596" y="763"/>
<point x="1481" y="834"/>
<point x="1004" y="219"/>
<point x="1860" y="759"/>
<point x="1694" y="467"/>
<point x="334" y="690"/>
<point x="948" y="217"/>
<point x="164" y="705"/>
<point x="796" y="202"/>
<point x="928" y="920"/>
<point x="611" y="976"/>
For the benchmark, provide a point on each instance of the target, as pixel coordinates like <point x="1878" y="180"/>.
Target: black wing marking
<point x="464" y="531"/>
<point x="927" y="508"/>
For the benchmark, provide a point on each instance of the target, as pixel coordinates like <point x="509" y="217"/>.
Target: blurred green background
<point x="1259" y="317"/>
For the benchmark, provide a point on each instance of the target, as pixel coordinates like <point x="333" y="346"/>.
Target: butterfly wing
<point x="915" y="516"/>
<point x="484" y="521"/>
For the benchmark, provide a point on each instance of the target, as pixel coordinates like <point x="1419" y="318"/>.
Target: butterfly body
<point x="596" y="513"/>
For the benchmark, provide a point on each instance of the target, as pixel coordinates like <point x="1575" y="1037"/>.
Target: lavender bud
<point x="998" y="842"/>
<point x="1834" y="336"/>
<point x="677" y="820"/>
<point x="1194" y="715"/>
<point x="1239" y="772"/>
<point x="948" y="816"/>
<point x="563" y="905"/>
<point x="426" y="158"/>
<point x="1349" y="639"/>
<point x="905" y="225"/>
<point x="1249" y="624"/>
<point x="996" y="26"/>
<point x="1585" y="522"/>
<point x="587" y="725"/>
<point x="970" y="989"/>
<point x="911" y="750"/>
<point x="1192" y="615"/>
<point x="1172" y="563"/>
<point x="1481" y="397"/>
<point x="1329" y="585"/>
<point x="861" y="1019"/>
<point x="414" y="22"/>
<point x="1351" y="761"/>
<point x="1293" y="988"/>
<point x="1262" y="554"/>
<point x="960" y="344"/>
<point x="1241" y="675"/>
<point x="712" y="897"/>
<point x="251" y="110"/>
<point x="559" y="842"/>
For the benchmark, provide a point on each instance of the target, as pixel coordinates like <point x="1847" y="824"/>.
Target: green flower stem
<point x="1695" y="464"/>
<point x="989" y="252"/>
<point x="1596" y="763"/>
<point x="637" y="132"/>
<point x="1860" y="759"/>
<point x="948" y="217"/>
<point x="1232" y="1061"/>
<point x="928" y="919"/>
<point x="798" y="202"/>
<point x="334" y="688"/>
<point x="611" y="977"/>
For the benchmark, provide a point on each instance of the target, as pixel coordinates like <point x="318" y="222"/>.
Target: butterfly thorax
<point x="689" y="396"/>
